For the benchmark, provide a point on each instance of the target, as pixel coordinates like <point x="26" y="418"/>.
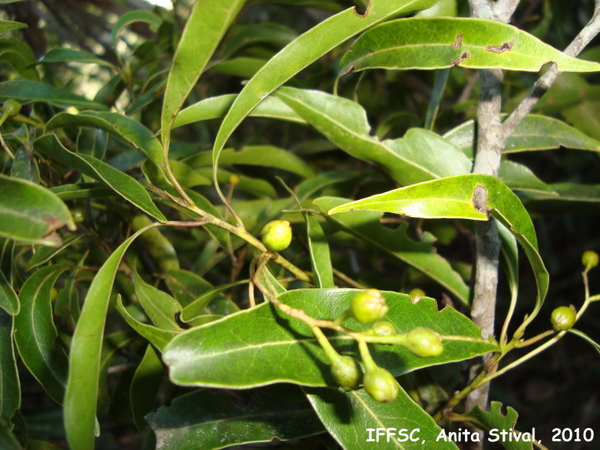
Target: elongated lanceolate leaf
<point x="84" y="359"/>
<point x="131" y="17"/>
<point x="421" y="155"/>
<point x="303" y="51"/>
<point x="217" y="107"/>
<point x="36" y="336"/>
<point x="453" y="198"/>
<point x="262" y="346"/>
<point x="214" y="419"/>
<point x="120" y="182"/>
<point x="320" y="257"/>
<point x="10" y="388"/>
<point x="70" y="55"/>
<point x="26" y="91"/>
<point x="535" y="132"/>
<point x="334" y="407"/>
<point x="205" y="28"/>
<point x="145" y="385"/>
<point x="44" y="214"/>
<point x="158" y="305"/>
<point x="9" y="301"/>
<point x="421" y="255"/>
<point x="8" y="25"/>
<point x="437" y="43"/>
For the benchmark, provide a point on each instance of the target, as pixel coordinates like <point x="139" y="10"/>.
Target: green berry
<point x="11" y="107"/>
<point x="346" y="372"/>
<point x="563" y="318"/>
<point x="381" y="385"/>
<point x="384" y="329"/>
<point x="423" y="342"/>
<point x="416" y="294"/>
<point x="78" y="215"/>
<point x="368" y="306"/>
<point x="589" y="259"/>
<point x="277" y="235"/>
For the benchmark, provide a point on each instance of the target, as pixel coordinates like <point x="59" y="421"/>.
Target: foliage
<point x="134" y="287"/>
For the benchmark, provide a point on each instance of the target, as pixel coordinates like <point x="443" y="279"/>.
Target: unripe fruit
<point x="589" y="259"/>
<point x="277" y="235"/>
<point x="416" y="294"/>
<point x="381" y="385"/>
<point x="563" y="318"/>
<point x="346" y="372"/>
<point x="11" y="107"/>
<point x="384" y="329"/>
<point x="368" y="306"/>
<point x="423" y="342"/>
<point x="78" y="215"/>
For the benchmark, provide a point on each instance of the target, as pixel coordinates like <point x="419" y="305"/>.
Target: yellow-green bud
<point x="384" y="329"/>
<point x="277" y="235"/>
<point x="423" y="342"/>
<point x="589" y="259"/>
<point x="346" y="372"/>
<point x="381" y="385"/>
<point x="368" y="306"/>
<point x="11" y="107"/>
<point x="563" y="318"/>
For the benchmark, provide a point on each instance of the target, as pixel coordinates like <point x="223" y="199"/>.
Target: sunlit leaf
<point x="27" y="91"/>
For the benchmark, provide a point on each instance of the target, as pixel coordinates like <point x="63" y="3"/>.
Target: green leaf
<point x="131" y="17"/>
<point x="9" y="25"/>
<point x="27" y="91"/>
<point x="257" y="155"/>
<point x="520" y="177"/>
<point x="10" y="388"/>
<point x="69" y="55"/>
<point x="9" y="301"/>
<point x="19" y="55"/>
<point x="236" y="352"/>
<point x="161" y="308"/>
<point x="214" y="419"/>
<point x="120" y="182"/>
<point x="353" y="419"/>
<point x="216" y="107"/>
<point x="196" y="307"/>
<point x="421" y="155"/>
<point x="45" y="254"/>
<point x="535" y="132"/>
<point x="272" y="34"/>
<point x="206" y="26"/>
<point x="437" y="43"/>
<point x="495" y="420"/>
<point x="320" y="257"/>
<point x="93" y="142"/>
<point x="303" y="51"/>
<point x="421" y="255"/>
<point x="126" y="128"/>
<point x="240" y="67"/>
<point x="453" y="198"/>
<point x="84" y="362"/>
<point x="145" y="385"/>
<point x="36" y="336"/>
<point x="157" y="337"/>
<point x="44" y="214"/>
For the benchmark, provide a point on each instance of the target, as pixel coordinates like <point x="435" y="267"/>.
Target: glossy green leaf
<point x="197" y="306"/>
<point x="216" y="107"/>
<point x="437" y="43"/>
<point x="242" y="67"/>
<point x="320" y="257"/>
<point x="421" y="155"/>
<point x="236" y="352"/>
<point x="303" y="51"/>
<point x="10" y="387"/>
<point x="9" y="301"/>
<point x="257" y="155"/>
<point x="126" y="128"/>
<point x="93" y="142"/>
<point x="19" y="55"/>
<point x="272" y="34"/>
<point x="495" y="419"/>
<point x="84" y="362"/>
<point x="131" y="17"/>
<point x="353" y="419"/>
<point x="520" y="177"/>
<point x="44" y="214"/>
<point x="120" y="182"/>
<point x="421" y="255"/>
<point x="565" y="197"/>
<point x="206" y="26"/>
<point x="36" y="336"/>
<point x="27" y="91"/>
<point x="214" y="419"/>
<point x="82" y="190"/>
<point x="156" y="244"/>
<point x="157" y="337"/>
<point x="145" y="385"/>
<point x="69" y="55"/>
<point x="45" y="254"/>
<point x="25" y="166"/>
<point x="8" y="25"/>
<point x="453" y="198"/>
<point x="161" y="308"/>
<point x="534" y="133"/>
